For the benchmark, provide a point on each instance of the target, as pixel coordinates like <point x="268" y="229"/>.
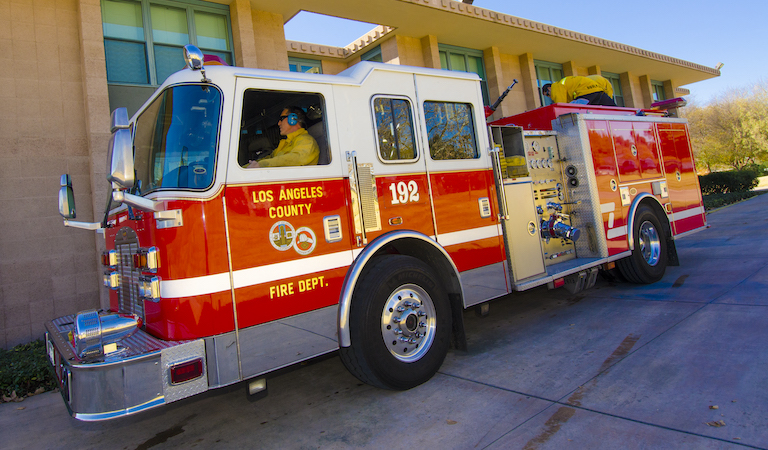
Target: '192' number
<point x="404" y="193"/>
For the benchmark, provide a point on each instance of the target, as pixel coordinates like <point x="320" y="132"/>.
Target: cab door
<point x="385" y="160"/>
<point x="288" y="227"/>
<point x="462" y="184"/>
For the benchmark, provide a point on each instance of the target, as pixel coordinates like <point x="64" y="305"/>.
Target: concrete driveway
<point x="680" y="364"/>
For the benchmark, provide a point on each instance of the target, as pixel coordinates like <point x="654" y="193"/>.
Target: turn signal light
<point x="147" y="259"/>
<point x="112" y="280"/>
<point x="149" y="288"/>
<point x="109" y="258"/>
<point x="187" y="371"/>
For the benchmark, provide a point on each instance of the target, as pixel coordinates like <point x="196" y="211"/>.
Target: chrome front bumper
<point x="132" y="379"/>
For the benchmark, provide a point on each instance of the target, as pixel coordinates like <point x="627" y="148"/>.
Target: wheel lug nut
<point x="398" y="331"/>
<point x="422" y="325"/>
<point x="400" y="309"/>
<point x="421" y="313"/>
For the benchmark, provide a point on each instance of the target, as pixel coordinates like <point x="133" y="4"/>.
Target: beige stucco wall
<point x="270" y="41"/>
<point x="333" y="67"/>
<point x="46" y="270"/>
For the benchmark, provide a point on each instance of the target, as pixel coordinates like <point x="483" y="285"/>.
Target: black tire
<point x="397" y="354"/>
<point x="648" y="261"/>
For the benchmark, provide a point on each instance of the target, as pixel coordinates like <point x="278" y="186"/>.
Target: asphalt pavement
<point x="680" y="364"/>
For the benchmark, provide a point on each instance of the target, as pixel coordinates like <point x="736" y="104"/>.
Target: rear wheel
<point x="648" y="261"/>
<point x="400" y="323"/>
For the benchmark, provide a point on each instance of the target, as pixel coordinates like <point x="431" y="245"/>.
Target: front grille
<point x="126" y="245"/>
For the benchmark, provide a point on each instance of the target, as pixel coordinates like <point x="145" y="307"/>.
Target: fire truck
<point x="417" y="209"/>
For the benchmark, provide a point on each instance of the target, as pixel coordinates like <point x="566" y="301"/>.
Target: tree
<point x="732" y="130"/>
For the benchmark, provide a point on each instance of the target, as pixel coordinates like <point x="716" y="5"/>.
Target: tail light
<point x="96" y="335"/>
<point x="187" y="371"/>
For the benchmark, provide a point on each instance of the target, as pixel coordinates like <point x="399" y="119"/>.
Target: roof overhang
<point x="464" y="25"/>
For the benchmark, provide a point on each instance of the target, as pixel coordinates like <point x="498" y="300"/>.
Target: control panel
<point x="550" y="182"/>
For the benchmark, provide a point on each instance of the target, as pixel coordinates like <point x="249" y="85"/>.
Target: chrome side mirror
<point x="66" y="198"/>
<point x="193" y="57"/>
<point x="119" y="119"/>
<point x="120" y="159"/>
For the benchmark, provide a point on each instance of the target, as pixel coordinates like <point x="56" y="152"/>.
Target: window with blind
<point x="304" y="65"/>
<point x="464" y="60"/>
<point x="657" y="89"/>
<point x="615" y="80"/>
<point x="143" y="39"/>
<point x="547" y="72"/>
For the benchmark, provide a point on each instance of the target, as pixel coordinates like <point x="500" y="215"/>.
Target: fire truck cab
<point x="416" y="209"/>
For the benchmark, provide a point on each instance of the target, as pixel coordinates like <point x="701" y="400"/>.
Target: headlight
<point x="97" y="334"/>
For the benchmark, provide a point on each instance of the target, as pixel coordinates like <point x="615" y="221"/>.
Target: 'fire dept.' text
<point x="282" y="290"/>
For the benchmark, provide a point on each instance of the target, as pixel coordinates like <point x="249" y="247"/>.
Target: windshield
<point x="175" y="139"/>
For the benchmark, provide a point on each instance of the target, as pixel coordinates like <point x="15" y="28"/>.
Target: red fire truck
<point x="416" y="210"/>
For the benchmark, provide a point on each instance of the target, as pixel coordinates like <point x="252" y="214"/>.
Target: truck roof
<point x="355" y="75"/>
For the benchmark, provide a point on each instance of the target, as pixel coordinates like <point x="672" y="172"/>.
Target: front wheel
<point x="648" y="261"/>
<point x="400" y="324"/>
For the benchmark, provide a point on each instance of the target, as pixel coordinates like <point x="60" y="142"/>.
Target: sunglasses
<point x="282" y="118"/>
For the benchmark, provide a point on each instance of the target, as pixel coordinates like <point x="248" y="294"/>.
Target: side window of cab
<point x="450" y="130"/>
<point x="282" y="129"/>
<point x="394" y="129"/>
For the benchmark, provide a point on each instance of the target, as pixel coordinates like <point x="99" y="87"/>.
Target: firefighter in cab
<point x="590" y="90"/>
<point x="298" y="148"/>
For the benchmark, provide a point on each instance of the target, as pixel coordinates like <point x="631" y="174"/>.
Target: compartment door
<point x="521" y="232"/>
<point x="682" y="181"/>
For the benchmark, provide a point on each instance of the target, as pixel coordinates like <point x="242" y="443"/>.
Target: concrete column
<point x="627" y="90"/>
<point x="269" y="41"/>
<point x="244" y="41"/>
<point x="97" y="118"/>
<point x="528" y="78"/>
<point x="669" y="89"/>
<point x="430" y="52"/>
<point x="390" y="51"/>
<point x="494" y="75"/>
<point x="569" y="69"/>
<point x="647" y="91"/>
<point x="669" y="92"/>
<point x="331" y="67"/>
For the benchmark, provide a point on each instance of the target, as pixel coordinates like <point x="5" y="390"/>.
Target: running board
<point x="564" y="269"/>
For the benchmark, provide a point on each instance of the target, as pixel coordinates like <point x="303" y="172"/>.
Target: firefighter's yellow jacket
<point x="570" y="88"/>
<point x="297" y="149"/>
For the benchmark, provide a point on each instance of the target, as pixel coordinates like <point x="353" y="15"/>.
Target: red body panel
<point x="604" y="161"/>
<point x="265" y="222"/>
<point x="456" y="196"/>
<point x="403" y="208"/>
<point x="194" y="250"/>
<point x="636" y="150"/>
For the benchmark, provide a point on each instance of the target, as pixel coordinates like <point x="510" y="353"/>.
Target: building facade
<point x="67" y="63"/>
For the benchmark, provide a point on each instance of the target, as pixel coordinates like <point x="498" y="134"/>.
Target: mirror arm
<point x="142" y="203"/>
<point x="82" y="225"/>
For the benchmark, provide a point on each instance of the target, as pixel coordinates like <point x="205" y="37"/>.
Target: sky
<point x="705" y="32"/>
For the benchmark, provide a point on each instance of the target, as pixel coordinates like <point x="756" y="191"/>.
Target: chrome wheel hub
<point x="650" y="243"/>
<point x="408" y="323"/>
